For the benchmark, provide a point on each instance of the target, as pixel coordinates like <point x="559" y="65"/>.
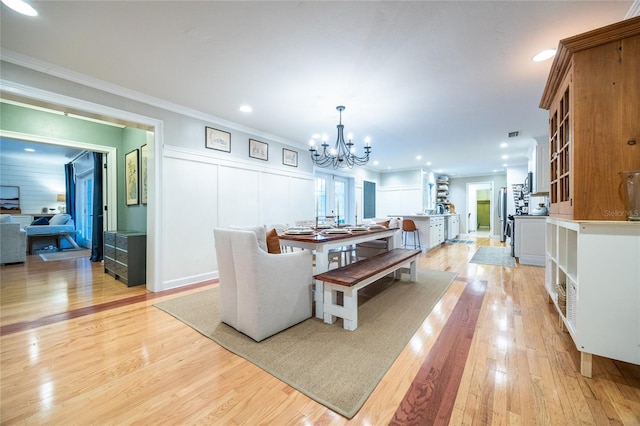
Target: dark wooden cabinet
<point x="125" y="256"/>
<point x="594" y="130"/>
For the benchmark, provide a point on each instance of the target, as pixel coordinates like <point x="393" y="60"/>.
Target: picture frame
<point x="132" y="187"/>
<point x="144" y="173"/>
<point x="259" y="150"/>
<point x="10" y="199"/>
<point x="217" y="139"/>
<point x="289" y="157"/>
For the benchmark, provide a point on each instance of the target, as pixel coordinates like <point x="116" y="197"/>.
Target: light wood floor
<point x="78" y="347"/>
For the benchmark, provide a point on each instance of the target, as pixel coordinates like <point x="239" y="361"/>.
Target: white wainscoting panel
<point x="189" y="216"/>
<point x="238" y="197"/>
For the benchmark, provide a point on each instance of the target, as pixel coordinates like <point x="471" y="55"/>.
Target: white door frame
<point x="154" y="213"/>
<point x="472" y="189"/>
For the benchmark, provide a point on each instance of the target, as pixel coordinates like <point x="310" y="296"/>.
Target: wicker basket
<point x="561" y="289"/>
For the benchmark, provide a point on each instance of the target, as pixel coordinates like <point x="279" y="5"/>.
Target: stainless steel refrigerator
<point x="502" y="212"/>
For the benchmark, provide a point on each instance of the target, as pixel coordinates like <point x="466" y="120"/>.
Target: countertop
<point x="530" y="216"/>
<point x="422" y="216"/>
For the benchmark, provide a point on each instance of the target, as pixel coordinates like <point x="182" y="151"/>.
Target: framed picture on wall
<point x="259" y="150"/>
<point x="217" y="139"/>
<point x="143" y="174"/>
<point x="131" y="177"/>
<point x="289" y="157"/>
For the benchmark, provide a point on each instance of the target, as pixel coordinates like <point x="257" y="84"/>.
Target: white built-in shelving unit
<point x="593" y="279"/>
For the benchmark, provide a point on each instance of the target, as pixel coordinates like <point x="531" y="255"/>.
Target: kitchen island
<point x="529" y="239"/>
<point x="434" y="229"/>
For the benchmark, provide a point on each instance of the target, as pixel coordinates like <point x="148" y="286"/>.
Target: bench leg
<point x="350" y="303"/>
<point x="318" y="296"/>
<point x="329" y="303"/>
<point x="349" y="309"/>
<point x="413" y="267"/>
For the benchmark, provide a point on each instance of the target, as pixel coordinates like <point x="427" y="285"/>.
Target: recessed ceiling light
<point x="375" y="163"/>
<point x="30" y="150"/>
<point x="504" y="145"/>
<point x="544" y="55"/>
<point x="505" y="165"/>
<point x="428" y="163"/>
<point x="245" y="108"/>
<point x="504" y="157"/>
<point x="21" y="7"/>
<point x="419" y="157"/>
<point x="316" y="135"/>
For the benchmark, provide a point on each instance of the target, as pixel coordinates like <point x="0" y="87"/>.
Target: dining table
<point x="322" y="241"/>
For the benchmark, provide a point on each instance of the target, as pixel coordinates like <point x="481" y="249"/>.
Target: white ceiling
<point x="447" y="80"/>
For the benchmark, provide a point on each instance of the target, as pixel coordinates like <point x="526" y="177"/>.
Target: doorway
<point x="333" y="197"/>
<point x="480" y="209"/>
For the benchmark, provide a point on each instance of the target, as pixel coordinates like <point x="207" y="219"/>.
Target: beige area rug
<point x="65" y="255"/>
<point x="500" y="256"/>
<point x="335" y="367"/>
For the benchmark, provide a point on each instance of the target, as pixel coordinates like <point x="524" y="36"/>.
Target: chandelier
<point x="342" y="154"/>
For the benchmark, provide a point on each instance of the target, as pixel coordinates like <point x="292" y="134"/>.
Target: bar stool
<point x="409" y="227"/>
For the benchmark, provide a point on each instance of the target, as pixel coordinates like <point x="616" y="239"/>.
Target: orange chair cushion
<point x="273" y="242"/>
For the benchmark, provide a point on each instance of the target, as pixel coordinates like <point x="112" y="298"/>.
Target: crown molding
<point x="85" y="80"/>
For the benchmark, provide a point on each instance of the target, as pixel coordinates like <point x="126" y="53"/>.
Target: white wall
<point x="39" y="182"/>
<point x="192" y="189"/>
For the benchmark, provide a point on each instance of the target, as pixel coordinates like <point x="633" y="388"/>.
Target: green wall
<point x="44" y="124"/>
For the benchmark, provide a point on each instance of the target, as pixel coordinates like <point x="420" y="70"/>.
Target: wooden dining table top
<point x="319" y="236"/>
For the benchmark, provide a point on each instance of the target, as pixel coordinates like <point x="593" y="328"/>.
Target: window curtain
<point x="98" y="212"/>
<point x="70" y="190"/>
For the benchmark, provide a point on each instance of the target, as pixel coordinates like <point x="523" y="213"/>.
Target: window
<point x="334" y="197"/>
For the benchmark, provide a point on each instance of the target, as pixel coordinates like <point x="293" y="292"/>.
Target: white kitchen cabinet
<point x="452" y="227"/>
<point x="430" y="229"/>
<point x="529" y="238"/>
<point x="593" y="278"/>
<point x="436" y="231"/>
<point x="541" y="177"/>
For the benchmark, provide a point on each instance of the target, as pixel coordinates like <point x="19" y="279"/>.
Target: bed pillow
<point x="40" y="221"/>
<point x="385" y="223"/>
<point x="59" y="219"/>
<point x="273" y="242"/>
<point x="6" y="218"/>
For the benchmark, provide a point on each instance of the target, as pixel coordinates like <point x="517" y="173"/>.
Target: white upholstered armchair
<point x="261" y="294"/>
<point x="13" y="242"/>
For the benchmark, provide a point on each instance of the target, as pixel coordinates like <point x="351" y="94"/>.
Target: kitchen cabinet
<point x="125" y="256"/>
<point x="593" y="279"/>
<point x="594" y="131"/>
<point x="436" y="231"/>
<point x="452" y="226"/>
<point x="529" y="243"/>
<point x="430" y="228"/>
<point x="539" y="166"/>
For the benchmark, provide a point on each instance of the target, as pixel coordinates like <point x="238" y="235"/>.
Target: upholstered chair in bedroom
<point x="261" y="293"/>
<point x="13" y="241"/>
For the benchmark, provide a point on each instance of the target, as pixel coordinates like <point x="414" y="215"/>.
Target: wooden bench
<point x="351" y="278"/>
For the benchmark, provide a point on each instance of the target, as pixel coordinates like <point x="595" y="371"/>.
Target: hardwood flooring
<point x="78" y="347"/>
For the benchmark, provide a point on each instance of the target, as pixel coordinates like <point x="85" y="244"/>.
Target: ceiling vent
<point x="513" y="134"/>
